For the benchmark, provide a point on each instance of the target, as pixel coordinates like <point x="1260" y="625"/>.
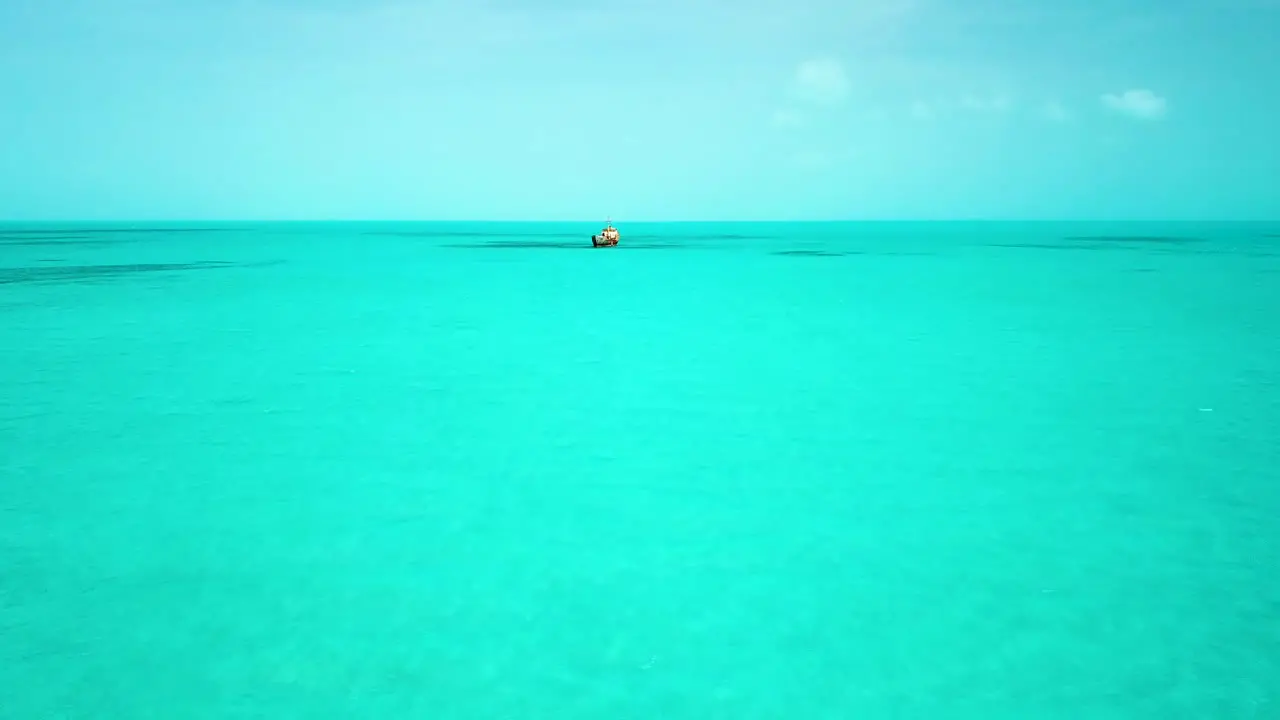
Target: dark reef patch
<point x="561" y="245"/>
<point x="1052" y="246"/>
<point x="463" y="234"/>
<point x="658" y="246"/>
<point x="7" y="236"/>
<point x="629" y="239"/>
<point x="814" y="253"/>
<point x="5" y="242"/>
<point x="727" y="236"/>
<point x="85" y="273"/>
<point x="88" y="231"/>
<point x="1145" y="239"/>
<point x="520" y="245"/>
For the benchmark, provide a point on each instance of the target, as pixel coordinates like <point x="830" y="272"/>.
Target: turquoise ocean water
<point x="723" y="471"/>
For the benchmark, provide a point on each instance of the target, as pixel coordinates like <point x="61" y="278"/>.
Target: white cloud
<point x="1141" y="104"/>
<point x="949" y="107"/>
<point x="816" y="158"/>
<point x="1055" y="111"/>
<point x="818" y="82"/>
<point x="787" y="118"/>
<point x="813" y="160"/>
<point x="996" y="103"/>
<point x="822" y="82"/>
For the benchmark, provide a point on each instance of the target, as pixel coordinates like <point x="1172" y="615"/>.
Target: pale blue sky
<point x="643" y="109"/>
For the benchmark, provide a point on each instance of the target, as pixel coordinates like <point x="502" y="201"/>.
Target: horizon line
<point x="813" y="221"/>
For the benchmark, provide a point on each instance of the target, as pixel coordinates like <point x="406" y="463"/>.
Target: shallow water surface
<point x="760" y="470"/>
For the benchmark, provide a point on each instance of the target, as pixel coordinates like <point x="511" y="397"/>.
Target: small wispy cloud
<point x="995" y="103"/>
<point x="1055" y="111"/>
<point x="788" y="118"/>
<point x="949" y="106"/>
<point x="816" y="84"/>
<point x="1141" y="104"/>
<point x="821" y="82"/>
<point x="813" y="160"/>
